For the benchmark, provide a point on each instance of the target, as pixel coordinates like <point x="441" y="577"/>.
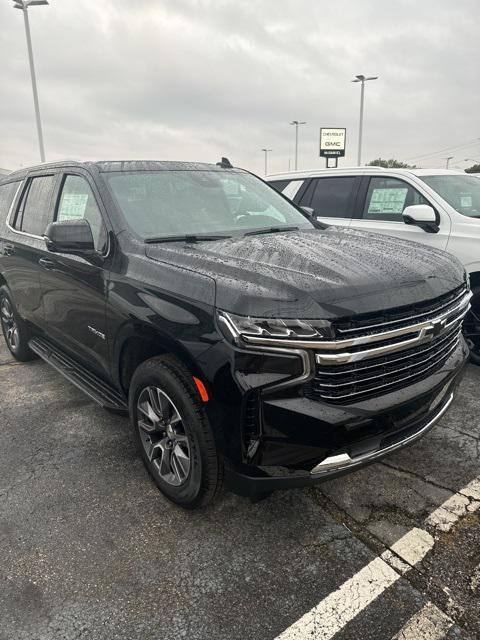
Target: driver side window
<point x="77" y="202"/>
<point x="388" y="197"/>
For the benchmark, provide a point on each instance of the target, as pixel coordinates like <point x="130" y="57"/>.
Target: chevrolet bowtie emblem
<point x="438" y="327"/>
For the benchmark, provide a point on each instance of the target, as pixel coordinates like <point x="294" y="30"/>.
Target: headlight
<point x="273" y="327"/>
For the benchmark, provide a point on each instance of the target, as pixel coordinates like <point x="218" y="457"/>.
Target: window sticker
<point x="466" y="201"/>
<point x="388" y="200"/>
<point x="73" y="206"/>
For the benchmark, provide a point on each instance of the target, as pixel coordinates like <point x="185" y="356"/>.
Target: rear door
<point x="381" y="207"/>
<point x="24" y="246"/>
<point x="332" y="198"/>
<point x="74" y="288"/>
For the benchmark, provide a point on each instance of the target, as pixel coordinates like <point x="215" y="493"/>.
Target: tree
<point x="475" y="168"/>
<point x="390" y="164"/>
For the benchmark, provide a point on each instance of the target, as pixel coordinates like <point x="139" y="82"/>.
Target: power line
<point x="446" y="149"/>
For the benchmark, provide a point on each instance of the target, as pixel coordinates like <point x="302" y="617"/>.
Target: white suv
<point x="437" y="207"/>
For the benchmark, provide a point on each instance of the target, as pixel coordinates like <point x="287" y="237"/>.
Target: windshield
<point x="461" y="192"/>
<point x="158" y="204"/>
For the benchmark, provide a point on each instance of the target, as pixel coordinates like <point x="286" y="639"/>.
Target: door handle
<point x="46" y="263"/>
<point x="8" y="249"/>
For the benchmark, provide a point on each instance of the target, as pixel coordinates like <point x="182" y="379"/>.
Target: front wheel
<point x="14" y="330"/>
<point x="471" y="326"/>
<point x="173" y="433"/>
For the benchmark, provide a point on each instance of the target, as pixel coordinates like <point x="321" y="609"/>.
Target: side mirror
<point x="423" y="216"/>
<point x="70" y="236"/>
<point x="309" y="211"/>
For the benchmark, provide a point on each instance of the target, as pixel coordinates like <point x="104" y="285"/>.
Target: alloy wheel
<point x="8" y="323"/>
<point x="163" y="436"/>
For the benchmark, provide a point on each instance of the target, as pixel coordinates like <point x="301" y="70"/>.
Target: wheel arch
<point x="139" y="344"/>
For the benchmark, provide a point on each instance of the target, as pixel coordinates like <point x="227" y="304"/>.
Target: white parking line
<point x="458" y="505"/>
<point x="327" y="618"/>
<point x="339" y="607"/>
<point x="428" y="624"/>
<point x="413" y="546"/>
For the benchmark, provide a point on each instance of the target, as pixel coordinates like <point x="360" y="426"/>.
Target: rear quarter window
<point x="279" y="185"/>
<point x="289" y="188"/>
<point x="7" y="194"/>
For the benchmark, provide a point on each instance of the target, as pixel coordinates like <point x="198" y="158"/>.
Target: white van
<point x="437" y="207"/>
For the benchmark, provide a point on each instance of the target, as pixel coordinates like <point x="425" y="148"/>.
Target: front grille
<point x="382" y="356"/>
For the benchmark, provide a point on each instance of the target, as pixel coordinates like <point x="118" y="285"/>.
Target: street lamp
<point x="265" y="151"/>
<point x="23" y="5"/>
<point x="297" y="123"/>
<point x="362" y="79"/>
<point x="447" y="161"/>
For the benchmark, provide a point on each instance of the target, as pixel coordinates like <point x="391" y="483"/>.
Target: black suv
<point x="244" y="338"/>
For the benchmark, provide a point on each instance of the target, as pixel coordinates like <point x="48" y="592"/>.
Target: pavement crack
<point x="414" y="474"/>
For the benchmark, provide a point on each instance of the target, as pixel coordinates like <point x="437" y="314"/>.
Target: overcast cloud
<point x="197" y="79"/>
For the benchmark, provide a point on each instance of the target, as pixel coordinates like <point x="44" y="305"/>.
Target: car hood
<point x="319" y="273"/>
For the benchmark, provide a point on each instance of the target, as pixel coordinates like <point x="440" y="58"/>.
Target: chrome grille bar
<point x="381" y="388"/>
<point x="361" y="367"/>
<point x="361" y="379"/>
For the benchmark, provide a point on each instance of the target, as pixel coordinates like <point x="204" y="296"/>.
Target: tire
<point x="471" y="327"/>
<point x="173" y="433"/>
<point x="14" y="329"/>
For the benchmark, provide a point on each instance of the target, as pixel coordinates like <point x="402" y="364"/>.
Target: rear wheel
<point x="173" y="433"/>
<point x="471" y="326"/>
<point x="14" y="330"/>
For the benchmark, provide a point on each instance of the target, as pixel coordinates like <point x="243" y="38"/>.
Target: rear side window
<point x="7" y="193"/>
<point x="388" y="197"/>
<point x="34" y="212"/>
<point x="332" y="197"/>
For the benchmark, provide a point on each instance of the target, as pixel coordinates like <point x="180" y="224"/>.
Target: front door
<point x="74" y="288"/>
<point x="386" y="198"/>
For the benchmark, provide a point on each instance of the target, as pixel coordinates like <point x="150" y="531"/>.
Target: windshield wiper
<point x="186" y="238"/>
<point x="257" y="232"/>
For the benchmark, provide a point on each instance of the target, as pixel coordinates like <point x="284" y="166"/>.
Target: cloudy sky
<point x="197" y="79"/>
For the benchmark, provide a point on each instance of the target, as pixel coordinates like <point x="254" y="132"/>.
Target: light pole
<point x="362" y="79"/>
<point x="447" y="161"/>
<point x="265" y="151"/>
<point x="297" y="123"/>
<point x="23" y="5"/>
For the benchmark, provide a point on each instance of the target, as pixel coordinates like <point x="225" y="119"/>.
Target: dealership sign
<point x="332" y="143"/>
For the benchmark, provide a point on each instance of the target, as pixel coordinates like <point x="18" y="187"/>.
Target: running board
<point x="95" y="388"/>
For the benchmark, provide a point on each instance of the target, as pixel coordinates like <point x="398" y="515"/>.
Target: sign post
<point x="332" y="145"/>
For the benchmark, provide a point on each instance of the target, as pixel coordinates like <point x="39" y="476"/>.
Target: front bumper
<point x="389" y="423"/>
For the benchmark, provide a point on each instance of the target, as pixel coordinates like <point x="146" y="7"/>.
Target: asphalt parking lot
<point x="90" y="549"/>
